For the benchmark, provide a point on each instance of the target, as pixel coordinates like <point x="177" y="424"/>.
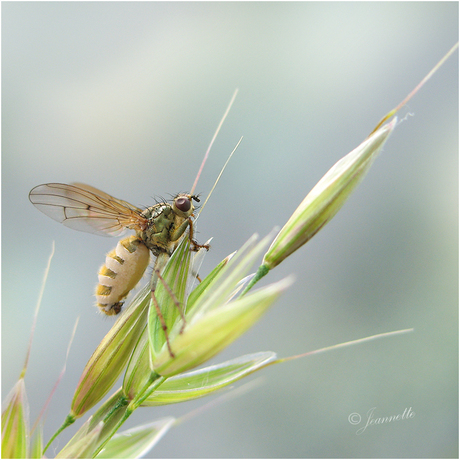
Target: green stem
<point x="152" y="384"/>
<point x="261" y="272"/>
<point x="148" y="389"/>
<point x="114" y="430"/>
<point x="67" y="422"/>
<point x="121" y="402"/>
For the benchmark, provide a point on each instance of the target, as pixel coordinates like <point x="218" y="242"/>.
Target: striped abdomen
<point x="123" y="269"/>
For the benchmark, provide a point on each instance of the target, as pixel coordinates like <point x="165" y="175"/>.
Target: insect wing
<point x="86" y="209"/>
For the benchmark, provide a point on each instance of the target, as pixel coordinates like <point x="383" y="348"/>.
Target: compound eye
<point x="183" y="204"/>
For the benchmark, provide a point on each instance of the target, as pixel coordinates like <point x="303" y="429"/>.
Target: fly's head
<point x="183" y="205"/>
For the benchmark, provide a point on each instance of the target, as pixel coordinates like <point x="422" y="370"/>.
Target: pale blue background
<point x="126" y="97"/>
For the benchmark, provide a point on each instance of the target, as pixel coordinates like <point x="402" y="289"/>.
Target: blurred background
<point x="126" y="96"/>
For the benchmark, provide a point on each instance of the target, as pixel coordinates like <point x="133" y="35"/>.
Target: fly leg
<point x="163" y="324"/>
<point x="195" y="245"/>
<point x="176" y="233"/>
<point x="174" y="298"/>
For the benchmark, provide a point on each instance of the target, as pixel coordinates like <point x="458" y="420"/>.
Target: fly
<point x="158" y="230"/>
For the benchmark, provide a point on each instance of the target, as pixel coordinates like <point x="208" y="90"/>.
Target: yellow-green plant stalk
<point x="15" y="412"/>
<point x="326" y="197"/>
<point x="202" y="382"/>
<point x="15" y="423"/>
<point x="36" y="444"/>
<point x="111" y="356"/>
<point x="331" y="192"/>
<point x="138" y="441"/>
<point x="85" y="447"/>
<point x="217" y="329"/>
<point x="137" y="344"/>
<point x="324" y="200"/>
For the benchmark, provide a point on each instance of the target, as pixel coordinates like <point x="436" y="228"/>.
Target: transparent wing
<point x="87" y="209"/>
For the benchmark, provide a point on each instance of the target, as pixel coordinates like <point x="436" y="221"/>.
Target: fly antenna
<point x="213" y="139"/>
<point x="218" y="177"/>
